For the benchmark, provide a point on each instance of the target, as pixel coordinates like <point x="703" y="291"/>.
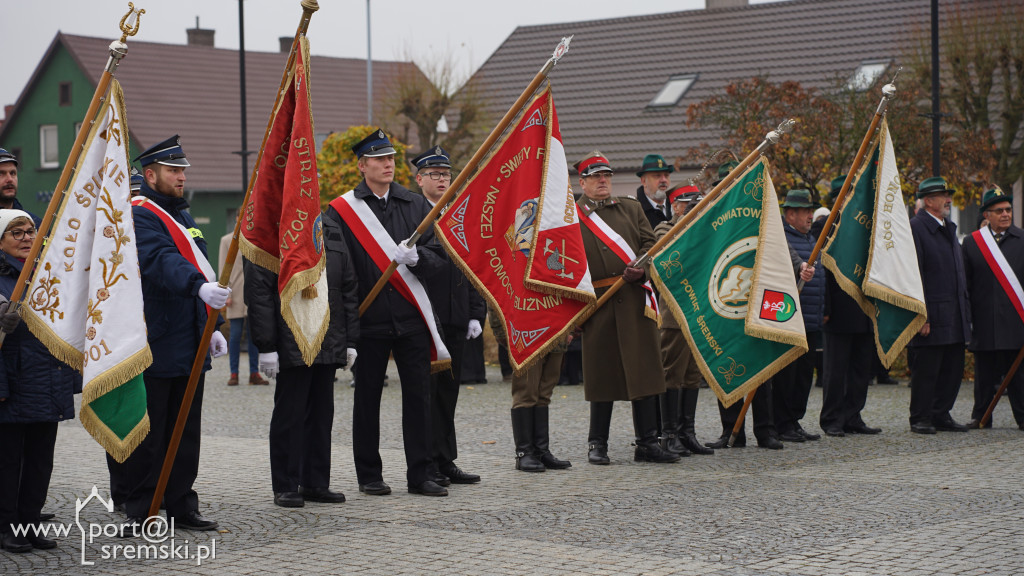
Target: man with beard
<point x="937" y="364"/>
<point x="9" y="185"/>
<point x="997" y="330"/>
<point x="653" y="190"/>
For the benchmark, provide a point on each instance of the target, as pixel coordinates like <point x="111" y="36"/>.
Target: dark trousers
<point x="989" y="370"/>
<point x="444" y="395"/>
<point x="792" y="385"/>
<point x="761" y="405"/>
<point x="412" y="356"/>
<point x="473" y="369"/>
<point x="935" y="381"/>
<point x="142" y="468"/>
<point x="300" y="428"/>
<point x="26" y="462"/>
<point x="848" y="368"/>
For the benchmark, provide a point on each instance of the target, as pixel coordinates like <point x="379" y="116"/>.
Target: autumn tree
<point x="337" y="164"/>
<point x="981" y="66"/>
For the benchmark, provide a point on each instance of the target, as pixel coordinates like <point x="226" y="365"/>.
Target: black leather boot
<point x="522" y="431"/>
<point x="645" y="424"/>
<point x="540" y="440"/>
<point x="670" y="441"/>
<point x="687" y="435"/>
<point x="600" y="423"/>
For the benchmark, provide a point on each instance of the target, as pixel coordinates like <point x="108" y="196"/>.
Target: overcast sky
<point x="469" y="29"/>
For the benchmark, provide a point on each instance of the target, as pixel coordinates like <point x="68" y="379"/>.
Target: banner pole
<point x="1002" y="388"/>
<point x="769" y="139"/>
<point x="739" y="420"/>
<point x="118" y="49"/>
<point x="471" y="166"/>
<point x="308" y="8"/>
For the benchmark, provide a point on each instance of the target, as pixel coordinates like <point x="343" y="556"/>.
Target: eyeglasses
<point x="435" y="176"/>
<point x="20" y="234"/>
<point x="1005" y="210"/>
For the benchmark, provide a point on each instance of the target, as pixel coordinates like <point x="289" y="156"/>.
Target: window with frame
<point x="48" y="146"/>
<point x="673" y="90"/>
<point x="867" y="74"/>
<point x="64" y="97"/>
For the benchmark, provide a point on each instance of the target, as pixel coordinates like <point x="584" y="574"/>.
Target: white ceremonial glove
<point x="406" y="255"/>
<point x="214" y="296"/>
<point x="268" y="364"/>
<point x="474" y="329"/>
<point x="350" y="358"/>
<point x="218" y="345"/>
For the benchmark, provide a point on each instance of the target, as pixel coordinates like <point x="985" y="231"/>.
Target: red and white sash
<point x="381" y="248"/>
<point x="181" y="236"/>
<point x="1000" y="267"/>
<point x="617" y="244"/>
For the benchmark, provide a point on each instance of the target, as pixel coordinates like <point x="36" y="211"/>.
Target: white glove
<point x="214" y="296"/>
<point x="268" y="364"/>
<point x="218" y="345"/>
<point x="350" y="357"/>
<point x="406" y="255"/>
<point x="474" y="329"/>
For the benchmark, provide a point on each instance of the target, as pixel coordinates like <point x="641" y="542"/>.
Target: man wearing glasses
<point x="9" y="184"/>
<point x="461" y="310"/>
<point x="938" y="360"/>
<point x="998" y="330"/>
<point x="615" y="232"/>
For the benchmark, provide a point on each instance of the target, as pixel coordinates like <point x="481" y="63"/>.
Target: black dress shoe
<point x="886" y="379"/>
<point x="131" y="527"/>
<point x="770" y="442"/>
<point x="40" y="543"/>
<point x="807" y="435"/>
<point x="439" y="479"/>
<point x="834" y="432"/>
<point x="459" y="476"/>
<point x="44" y="516"/>
<point x="289" y="499"/>
<point x="12" y="543"/>
<point x="598" y="454"/>
<point x="922" y="429"/>
<point x="689" y="440"/>
<point x="429" y="488"/>
<point x="325" y="495"/>
<point x="378" y="488"/>
<point x="950" y="425"/>
<point x="193" y="520"/>
<point x="792" y="436"/>
<point x="861" y="429"/>
<point x="975" y="423"/>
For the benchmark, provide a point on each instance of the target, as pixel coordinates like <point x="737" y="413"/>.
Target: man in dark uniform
<point x="460" y="310"/>
<point x="391" y="324"/>
<point x="937" y="365"/>
<point x="616" y="367"/>
<point x="653" y="190"/>
<point x="997" y="330"/>
<point x="9" y="185"/>
<point x="176" y="293"/>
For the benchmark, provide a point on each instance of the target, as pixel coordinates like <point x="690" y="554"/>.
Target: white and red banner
<point x="1000" y="268"/>
<point x="282" y="229"/>
<point x="515" y="232"/>
<point x="618" y="245"/>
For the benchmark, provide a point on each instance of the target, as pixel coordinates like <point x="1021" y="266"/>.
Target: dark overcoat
<point x="995" y="322"/>
<point x="621" y="346"/>
<point x="940" y="260"/>
<point x="653" y="214"/>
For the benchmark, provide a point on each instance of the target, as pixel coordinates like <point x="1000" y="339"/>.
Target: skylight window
<point x="674" y="90"/>
<point x="867" y="74"/>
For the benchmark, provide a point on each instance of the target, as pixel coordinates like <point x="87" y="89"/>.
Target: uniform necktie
<point x="383" y="203"/>
<point x="999" y="237"/>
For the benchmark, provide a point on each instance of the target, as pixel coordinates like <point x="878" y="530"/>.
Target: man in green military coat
<point x="620" y="341"/>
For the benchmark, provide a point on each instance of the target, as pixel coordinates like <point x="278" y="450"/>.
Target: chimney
<point x="713" y="4"/>
<point x="199" y="37"/>
<point x="286" y="43"/>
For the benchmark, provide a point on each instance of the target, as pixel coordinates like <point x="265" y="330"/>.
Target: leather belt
<point x="606" y="282"/>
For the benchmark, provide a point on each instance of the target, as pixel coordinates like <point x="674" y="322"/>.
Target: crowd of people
<point x="971" y="291"/>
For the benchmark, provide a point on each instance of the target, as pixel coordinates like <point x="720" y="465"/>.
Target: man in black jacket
<point x="300" y="427"/>
<point x="461" y="310"/>
<point x="653" y="190"/>
<point x="997" y="329"/>
<point x="379" y="214"/>
<point x="937" y="364"/>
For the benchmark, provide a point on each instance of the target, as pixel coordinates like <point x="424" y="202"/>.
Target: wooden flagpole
<point x="1002" y="388"/>
<point x="118" y="49"/>
<point x="471" y="166"/>
<point x="308" y="8"/>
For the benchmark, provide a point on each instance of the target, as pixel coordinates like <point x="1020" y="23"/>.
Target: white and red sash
<point x="617" y="244"/>
<point x="381" y="248"/>
<point x="181" y="236"/>
<point x="1000" y="267"/>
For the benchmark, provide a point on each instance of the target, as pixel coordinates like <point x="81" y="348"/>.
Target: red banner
<point x="282" y="227"/>
<point x="514" y="231"/>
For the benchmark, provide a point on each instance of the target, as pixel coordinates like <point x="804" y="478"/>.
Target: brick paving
<point x="892" y="504"/>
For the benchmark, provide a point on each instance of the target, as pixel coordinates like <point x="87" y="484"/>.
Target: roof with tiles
<point x="615" y="67"/>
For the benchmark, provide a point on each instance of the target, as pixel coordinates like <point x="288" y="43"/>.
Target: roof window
<point x="867" y="74"/>
<point x="673" y="90"/>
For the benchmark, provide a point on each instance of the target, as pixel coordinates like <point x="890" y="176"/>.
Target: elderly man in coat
<point x="620" y="341"/>
<point x="937" y="365"/>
